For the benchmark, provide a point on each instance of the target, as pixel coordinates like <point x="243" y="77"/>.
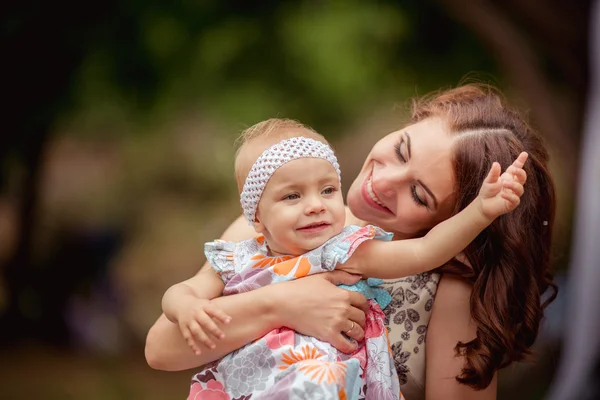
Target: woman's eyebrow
<point x="407" y="143"/>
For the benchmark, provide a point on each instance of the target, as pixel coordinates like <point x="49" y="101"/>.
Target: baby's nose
<point x="314" y="204"/>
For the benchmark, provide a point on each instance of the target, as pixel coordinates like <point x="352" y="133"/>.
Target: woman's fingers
<point x="342" y="343"/>
<point x="357" y="332"/>
<point x="316" y="307"/>
<point x="358" y="301"/>
<point x="357" y="315"/>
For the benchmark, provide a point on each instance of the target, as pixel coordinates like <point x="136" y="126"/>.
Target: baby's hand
<point x="502" y="194"/>
<point x="197" y="319"/>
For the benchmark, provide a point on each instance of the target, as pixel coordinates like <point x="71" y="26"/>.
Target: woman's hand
<point x="314" y="306"/>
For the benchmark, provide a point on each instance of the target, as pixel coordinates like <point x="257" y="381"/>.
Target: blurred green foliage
<point x="320" y="62"/>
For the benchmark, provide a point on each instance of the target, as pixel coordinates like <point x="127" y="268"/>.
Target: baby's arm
<point x="188" y="305"/>
<point x="388" y="260"/>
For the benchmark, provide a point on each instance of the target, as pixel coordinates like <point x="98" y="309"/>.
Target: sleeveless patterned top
<point x="407" y="317"/>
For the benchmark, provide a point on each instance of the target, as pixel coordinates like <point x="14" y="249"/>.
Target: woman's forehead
<point x="432" y="129"/>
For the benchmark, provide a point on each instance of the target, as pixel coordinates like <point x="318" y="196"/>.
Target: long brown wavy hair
<point x="509" y="262"/>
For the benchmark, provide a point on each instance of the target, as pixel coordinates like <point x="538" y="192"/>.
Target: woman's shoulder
<point x="456" y="285"/>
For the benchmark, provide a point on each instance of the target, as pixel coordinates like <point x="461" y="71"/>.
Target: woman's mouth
<point x="370" y="197"/>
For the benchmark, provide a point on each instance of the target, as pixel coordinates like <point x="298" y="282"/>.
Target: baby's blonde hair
<point x="259" y="137"/>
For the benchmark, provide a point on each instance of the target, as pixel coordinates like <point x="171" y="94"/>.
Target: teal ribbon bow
<point x="371" y="290"/>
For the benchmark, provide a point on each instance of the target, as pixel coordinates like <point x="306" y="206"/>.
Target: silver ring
<point x="350" y="330"/>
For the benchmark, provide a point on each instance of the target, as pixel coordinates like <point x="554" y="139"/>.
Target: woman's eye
<point x="398" y="147"/>
<point x="293" y="196"/>
<point x="420" y="202"/>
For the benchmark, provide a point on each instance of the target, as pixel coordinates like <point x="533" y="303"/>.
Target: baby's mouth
<point x="314" y="226"/>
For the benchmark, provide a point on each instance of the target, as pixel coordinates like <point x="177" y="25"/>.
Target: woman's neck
<point x="352" y="220"/>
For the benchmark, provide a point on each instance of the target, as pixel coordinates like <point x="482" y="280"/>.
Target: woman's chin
<point x="360" y="209"/>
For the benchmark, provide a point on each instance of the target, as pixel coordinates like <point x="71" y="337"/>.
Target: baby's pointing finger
<point x="520" y="161"/>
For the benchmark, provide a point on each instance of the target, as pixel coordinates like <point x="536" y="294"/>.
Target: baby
<point x="289" y="182"/>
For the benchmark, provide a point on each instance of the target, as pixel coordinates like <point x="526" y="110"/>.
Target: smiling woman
<point x="475" y="315"/>
<point x="406" y="184"/>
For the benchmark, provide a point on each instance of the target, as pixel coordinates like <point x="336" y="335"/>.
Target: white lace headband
<point x="273" y="158"/>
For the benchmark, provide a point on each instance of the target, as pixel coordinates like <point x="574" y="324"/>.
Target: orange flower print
<point x="342" y="394"/>
<point x="307" y="353"/>
<point x="301" y="265"/>
<point x="315" y="369"/>
<point x="263" y="261"/>
<point x="322" y="370"/>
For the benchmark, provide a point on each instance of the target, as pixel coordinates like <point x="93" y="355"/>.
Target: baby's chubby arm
<point x="388" y="260"/>
<point x="188" y="304"/>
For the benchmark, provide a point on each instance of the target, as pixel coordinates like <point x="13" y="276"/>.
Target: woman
<point x="487" y="306"/>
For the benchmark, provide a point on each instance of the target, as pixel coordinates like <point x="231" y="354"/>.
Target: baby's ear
<point x="259" y="227"/>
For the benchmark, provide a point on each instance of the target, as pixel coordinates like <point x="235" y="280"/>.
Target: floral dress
<point x="287" y="365"/>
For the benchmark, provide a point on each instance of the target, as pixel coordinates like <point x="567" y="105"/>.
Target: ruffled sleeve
<point x="220" y="256"/>
<point x="339" y="249"/>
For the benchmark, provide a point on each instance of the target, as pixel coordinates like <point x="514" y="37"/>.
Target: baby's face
<point x="301" y="207"/>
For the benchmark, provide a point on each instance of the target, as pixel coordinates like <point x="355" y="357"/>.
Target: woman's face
<point x="406" y="184"/>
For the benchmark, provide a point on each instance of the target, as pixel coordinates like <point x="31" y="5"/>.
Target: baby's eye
<point x="292" y="196"/>
<point x="328" y="190"/>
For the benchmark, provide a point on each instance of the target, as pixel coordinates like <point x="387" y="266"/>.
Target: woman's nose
<point x="387" y="181"/>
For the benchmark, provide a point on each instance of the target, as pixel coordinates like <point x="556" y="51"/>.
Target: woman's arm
<point x="313" y="306"/>
<point x="450" y="323"/>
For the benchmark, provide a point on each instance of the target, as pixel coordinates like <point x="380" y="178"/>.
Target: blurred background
<point x="117" y="149"/>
